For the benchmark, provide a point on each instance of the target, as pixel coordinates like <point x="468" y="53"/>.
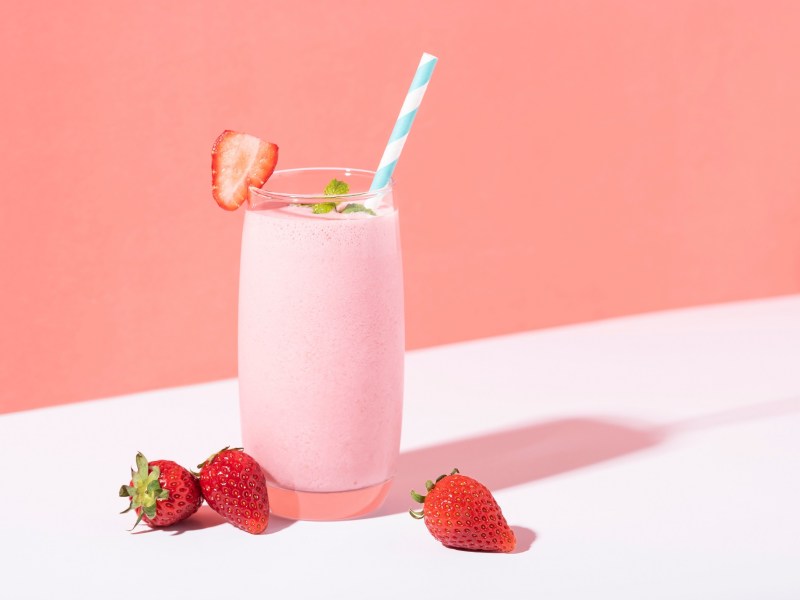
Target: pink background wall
<point x="571" y="161"/>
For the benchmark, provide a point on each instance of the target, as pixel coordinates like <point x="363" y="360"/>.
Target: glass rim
<point x="293" y="198"/>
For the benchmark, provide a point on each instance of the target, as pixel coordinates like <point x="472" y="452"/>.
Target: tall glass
<point x="321" y="343"/>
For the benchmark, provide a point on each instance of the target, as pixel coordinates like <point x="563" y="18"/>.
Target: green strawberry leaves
<point x="145" y="490"/>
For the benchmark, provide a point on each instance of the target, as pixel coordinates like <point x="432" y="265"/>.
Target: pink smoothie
<point x="321" y="341"/>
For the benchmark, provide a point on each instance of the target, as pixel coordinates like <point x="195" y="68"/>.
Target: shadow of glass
<point x="512" y="457"/>
<point x="733" y="416"/>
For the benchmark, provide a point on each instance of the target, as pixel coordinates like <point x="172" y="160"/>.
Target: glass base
<point x="326" y="506"/>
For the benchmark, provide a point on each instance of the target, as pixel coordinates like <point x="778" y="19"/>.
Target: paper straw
<point x="403" y="124"/>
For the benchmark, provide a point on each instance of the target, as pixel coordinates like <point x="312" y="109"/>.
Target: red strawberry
<point x="234" y="485"/>
<point x="239" y="160"/>
<point x="162" y="492"/>
<point x="462" y="513"/>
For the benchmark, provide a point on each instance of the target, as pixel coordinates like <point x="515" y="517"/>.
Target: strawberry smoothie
<point x="321" y="342"/>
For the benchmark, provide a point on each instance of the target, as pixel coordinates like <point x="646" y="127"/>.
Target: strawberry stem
<point x="145" y="490"/>
<point x="429" y="485"/>
<point x="213" y="456"/>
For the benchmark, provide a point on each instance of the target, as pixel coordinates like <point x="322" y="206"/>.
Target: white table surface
<point x="647" y="457"/>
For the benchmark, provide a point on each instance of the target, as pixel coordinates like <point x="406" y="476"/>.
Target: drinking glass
<point x="321" y="342"/>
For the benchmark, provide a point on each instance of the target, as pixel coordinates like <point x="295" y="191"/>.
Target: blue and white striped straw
<point x="403" y="124"/>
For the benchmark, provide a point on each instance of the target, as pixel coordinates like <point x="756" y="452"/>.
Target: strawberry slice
<point x="239" y="160"/>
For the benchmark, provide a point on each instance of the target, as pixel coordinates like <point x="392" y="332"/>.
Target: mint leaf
<point x="336" y="188"/>
<point x="323" y="207"/>
<point x="353" y="208"/>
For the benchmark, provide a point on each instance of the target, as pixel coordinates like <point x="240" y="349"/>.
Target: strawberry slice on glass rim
<point x="238" y="161"/>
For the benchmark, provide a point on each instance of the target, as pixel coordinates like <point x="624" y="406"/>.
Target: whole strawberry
<point x="462" y="513"/>
<point x="162" y="492"/>
<point x="234" y="485"/>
